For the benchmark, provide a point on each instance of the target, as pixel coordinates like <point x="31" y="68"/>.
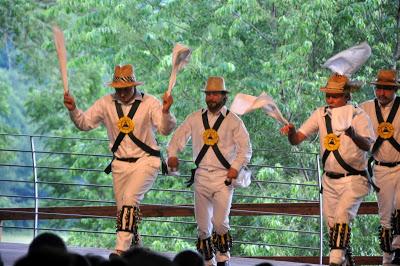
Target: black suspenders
<point x="138" y="142"/>
<point x="336" y="153"/>
<point x="339" y="159"/>
<point x="380" y="140"/>
<point x="205" y="147"/>
<point x="390" y="119"/>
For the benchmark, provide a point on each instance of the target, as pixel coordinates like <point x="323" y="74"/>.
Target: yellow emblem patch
<point x="385" y="130"/>
<point x="331" y="142"/>
<point x="210" y="137"/>
<point x="125" y="125"/>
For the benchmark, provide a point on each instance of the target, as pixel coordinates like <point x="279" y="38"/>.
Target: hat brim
<point x="330" y="90"/>
<point x="385" y="83"/>
<point x="118" y="85"/>
<point x="226" y="91"/>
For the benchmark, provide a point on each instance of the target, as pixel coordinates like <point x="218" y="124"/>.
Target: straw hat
<point x="386" y="77"/>
<point x="341" y="84"/>
<point x="215" y="84"/>
<point x="124" y="76"/>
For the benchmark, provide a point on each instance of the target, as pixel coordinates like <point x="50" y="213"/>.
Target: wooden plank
<point x="310" y="208"/>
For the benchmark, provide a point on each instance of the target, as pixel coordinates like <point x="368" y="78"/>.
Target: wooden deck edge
<point x="149" y="210"/>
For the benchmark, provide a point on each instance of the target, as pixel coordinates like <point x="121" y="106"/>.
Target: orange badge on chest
<point x="210" y="137"/>
<point x="125" y="125"/>
<point x="385" y="130"/>
<point x="331" y="142"/>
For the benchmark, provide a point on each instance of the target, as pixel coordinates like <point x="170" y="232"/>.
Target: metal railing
<point x="31" y="166"/>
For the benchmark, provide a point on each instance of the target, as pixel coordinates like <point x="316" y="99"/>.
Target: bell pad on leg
<point x="205" y="247"/>
<point x="128" y="219"/>
<point x="339" y="236"/>
<point x="223" y="243"/>
<point x="385" y="239"/>
<point x="396" y="222"/>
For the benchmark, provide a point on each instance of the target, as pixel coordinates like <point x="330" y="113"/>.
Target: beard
<point x="215" y="106"/>
<point x="383" y="100"/>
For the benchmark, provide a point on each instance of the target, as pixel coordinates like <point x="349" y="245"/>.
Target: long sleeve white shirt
<point x="348" y="150"/>
<point x="148" y="119"/>
<point x="234" y="142"/>
<point x="386" y="152"/>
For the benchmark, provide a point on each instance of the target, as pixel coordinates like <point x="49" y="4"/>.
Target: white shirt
<point x="147" y="120"/>
<point x="234" y="141"/>
<point x="386" y="152"/>
<point x="349" y="151"/>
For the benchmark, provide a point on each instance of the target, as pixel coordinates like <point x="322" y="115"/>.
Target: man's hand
<point x="173" y="163"/>
<point x="167" y="102"/>
<point x="69" y="101"/>
<point x="362" y="142"/>
<point x="232" y="173"/>
<point x="286" y="129"/>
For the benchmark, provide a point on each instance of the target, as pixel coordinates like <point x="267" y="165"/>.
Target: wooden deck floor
<point x="11" y="252"/>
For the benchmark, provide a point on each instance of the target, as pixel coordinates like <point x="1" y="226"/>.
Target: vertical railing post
<point x="321" y="222"/>
<point x="36" y="189"/>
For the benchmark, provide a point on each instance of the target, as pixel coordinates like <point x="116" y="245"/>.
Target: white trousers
<point x="131" y="181"/>
<point x="341" y="199"/>
<point x="213" y="201"/>
<point x="388" y="180"/>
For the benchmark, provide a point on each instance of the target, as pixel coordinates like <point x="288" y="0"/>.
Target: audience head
<point x="46" y="257"/>
<point x="47" y="240"/>
<point x="145" y="257"/>
<point x="188" y="257"/>
<point x="79" y="260"/>
<point x="95" y="260"/>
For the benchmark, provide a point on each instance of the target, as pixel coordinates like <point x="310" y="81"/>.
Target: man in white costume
<point x="221" y="148"/>
<point x="385" y="117"/>
<point x="131" y="118"/>
<point x="344" y="158"/>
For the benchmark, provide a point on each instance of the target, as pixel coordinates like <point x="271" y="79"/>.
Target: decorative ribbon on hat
<point x="125" y="79"/>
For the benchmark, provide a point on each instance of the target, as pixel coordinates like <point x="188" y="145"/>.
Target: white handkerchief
<point x="341" y="118"/>
<point x="243" y="103"/>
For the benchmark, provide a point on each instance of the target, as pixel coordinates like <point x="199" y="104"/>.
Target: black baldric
<point x="138" y="142"/>
<point x="380" y="140"/>
<point x="390" y="119"/>
<point x="339" y="159"/>
<point x="205" y="147"/>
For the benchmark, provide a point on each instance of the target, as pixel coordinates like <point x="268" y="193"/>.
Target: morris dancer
<point x="385" y="117"/>
<point x="221" y="147"/>
<point x="344" y="158"/>
<point x="131" y="118"/>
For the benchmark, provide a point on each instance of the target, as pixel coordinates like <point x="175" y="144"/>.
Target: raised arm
<point x="162" y="118"/>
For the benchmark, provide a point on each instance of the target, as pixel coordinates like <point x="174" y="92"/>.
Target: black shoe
<point x="396" y="258"/>
<point x="224" y="263"/>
